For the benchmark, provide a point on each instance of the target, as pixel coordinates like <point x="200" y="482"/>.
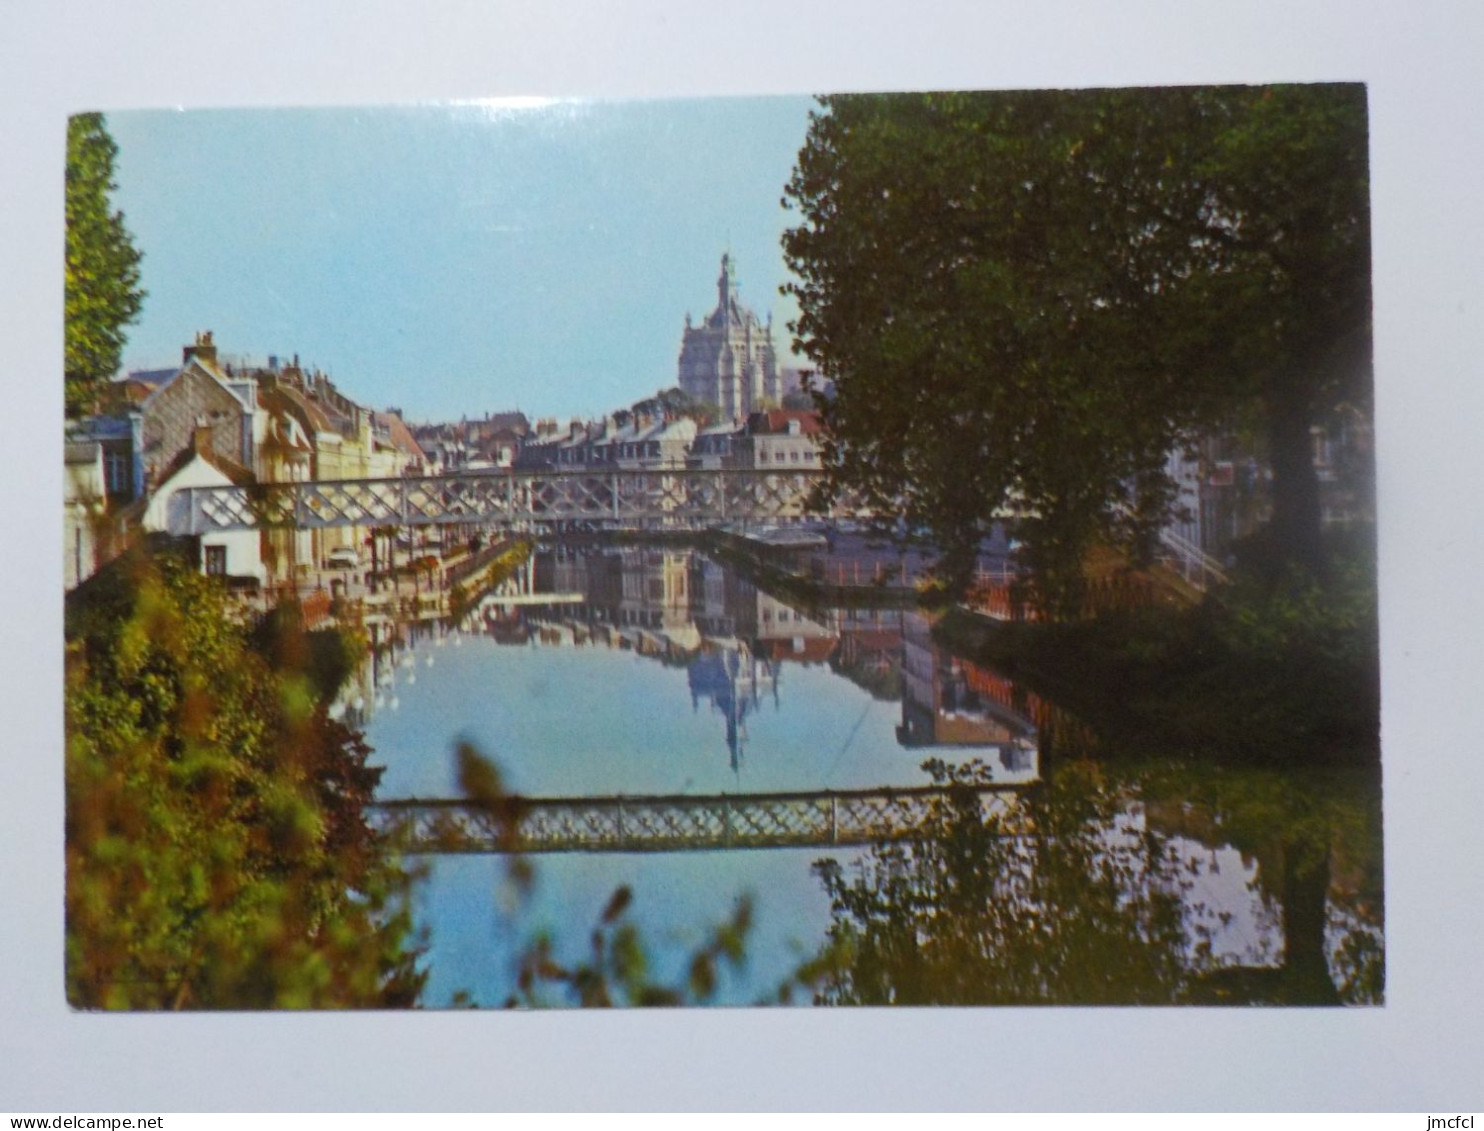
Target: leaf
<point x="618" y="903"/>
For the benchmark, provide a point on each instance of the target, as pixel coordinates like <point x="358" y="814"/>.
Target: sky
<point x="459" y="258"/>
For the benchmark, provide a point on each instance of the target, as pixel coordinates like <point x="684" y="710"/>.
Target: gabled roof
<point x="400" y="435"/>
<point x="207" y="371"/>
<point x="515" y="421"/>
<point x="775" y="421"/>
<point x="286" y="429"/>
<point x="235" y="472"/>
<point x="285" y="398"/>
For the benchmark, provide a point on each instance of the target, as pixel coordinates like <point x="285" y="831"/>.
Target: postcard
<point x="885" y="549"/>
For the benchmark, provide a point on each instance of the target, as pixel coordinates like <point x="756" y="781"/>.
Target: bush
<point x="216" y="852"/>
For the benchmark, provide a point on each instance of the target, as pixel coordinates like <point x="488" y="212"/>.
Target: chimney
<point x="204" y="349"/>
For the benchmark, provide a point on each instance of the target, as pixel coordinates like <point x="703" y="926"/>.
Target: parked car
<point x="344" y="557"/>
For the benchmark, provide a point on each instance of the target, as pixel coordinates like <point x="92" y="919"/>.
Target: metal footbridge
<point x="670" y="499"/>
<point x="512" y="500"/>
<point x="680" y="822"/>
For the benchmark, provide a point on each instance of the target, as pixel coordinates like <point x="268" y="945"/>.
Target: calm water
<point x="673" y="675"/>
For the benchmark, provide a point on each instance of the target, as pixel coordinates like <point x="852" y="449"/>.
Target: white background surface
<point x="1421" y="1052"/>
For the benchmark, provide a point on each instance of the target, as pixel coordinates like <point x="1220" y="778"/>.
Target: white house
<point x="236" y="553"/>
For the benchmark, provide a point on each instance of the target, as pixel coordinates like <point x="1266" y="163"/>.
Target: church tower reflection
<point x="734" y="680"/>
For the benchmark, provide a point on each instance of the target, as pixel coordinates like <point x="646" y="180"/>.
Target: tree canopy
<point x="1026" y="300"/>
<point x="102" y="275"/>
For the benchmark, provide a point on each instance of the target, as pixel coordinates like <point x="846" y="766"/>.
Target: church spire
<point x="726" y="286"/>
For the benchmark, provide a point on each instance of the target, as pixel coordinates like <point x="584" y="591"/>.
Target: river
<point x="643" y="670"/>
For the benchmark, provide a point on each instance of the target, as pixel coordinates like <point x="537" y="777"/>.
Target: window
<point x="116" y="472"/>
<point x="216" y="561"/>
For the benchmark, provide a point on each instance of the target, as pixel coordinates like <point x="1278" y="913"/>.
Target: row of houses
<point x="214" y="423"/>
<point x="630" y="440"/>
<point x="774" y="440"/>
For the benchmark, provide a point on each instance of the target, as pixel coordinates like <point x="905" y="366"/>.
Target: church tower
<point x="728" y="361"/>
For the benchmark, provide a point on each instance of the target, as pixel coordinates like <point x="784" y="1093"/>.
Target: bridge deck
<point x="676" y="823"/>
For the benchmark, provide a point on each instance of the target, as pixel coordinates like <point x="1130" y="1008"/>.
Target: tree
<point x="1026" y="300"/>
<point x="1048" y="903"/>
<point x="676" y="402"/>
<point x="217" y="855"/>
<point x="102" y="276"/>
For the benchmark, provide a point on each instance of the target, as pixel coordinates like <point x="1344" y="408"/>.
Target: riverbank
<point x="1286" y="680"/>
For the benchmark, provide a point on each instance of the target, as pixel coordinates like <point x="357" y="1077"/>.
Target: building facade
<point x="781" y="440"/>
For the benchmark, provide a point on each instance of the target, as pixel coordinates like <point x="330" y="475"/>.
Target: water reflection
<point x="645" y="670"/>
<point x="734" y="682"/>
<point x="1088" y="895"/>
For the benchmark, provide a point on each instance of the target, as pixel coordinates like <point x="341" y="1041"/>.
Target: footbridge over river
<point x="675" y="499"/>
<point x="680" y="822"/>
<point x="627" y="500"/>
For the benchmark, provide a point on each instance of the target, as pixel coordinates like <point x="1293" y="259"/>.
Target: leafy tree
<point x="1026" y="300"/>
<point x="217" y="856"/>
<point x="676" y="402"/>
<point x="102" y="278"/>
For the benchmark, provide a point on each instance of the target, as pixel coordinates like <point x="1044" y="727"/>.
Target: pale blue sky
<point x="457" y="259"/>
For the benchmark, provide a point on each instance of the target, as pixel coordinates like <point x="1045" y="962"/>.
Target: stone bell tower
<point x="728" y="360"/>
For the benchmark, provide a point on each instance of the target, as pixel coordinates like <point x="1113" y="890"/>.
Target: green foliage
<point x="217" y="856"/>
<point x="1069" y="898"/>
<point x="1026" y="300"/>
<point x="616" y="970"/>
<point x="327" y="656"/>
<point x="102" y="276"/>
<point x="676" y="402"/>
<point x="1316" y="835"/>
<point x="1050" y="903"/>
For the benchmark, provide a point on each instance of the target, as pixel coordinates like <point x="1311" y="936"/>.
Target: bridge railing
<point x="677" y="823"/>
<point x="1193" y="564"/>
<point x="675" y="497"/>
